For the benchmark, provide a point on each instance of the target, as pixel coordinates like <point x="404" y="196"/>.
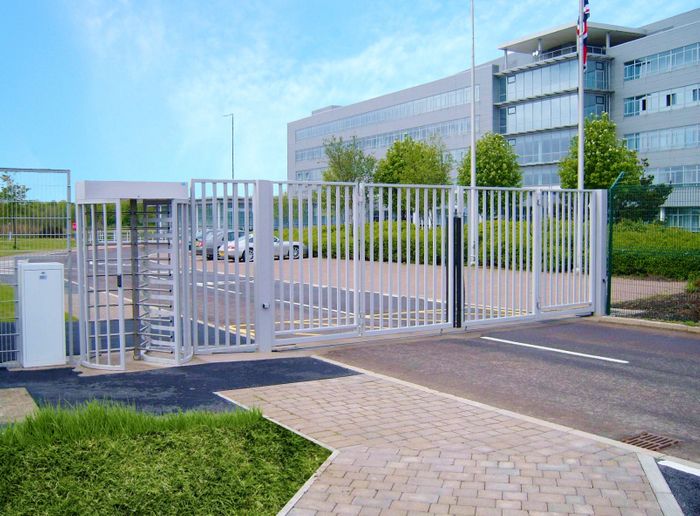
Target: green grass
<point x="104" y="458"/>
<point x="21" y="245"/>
<point x="7" y="303"/>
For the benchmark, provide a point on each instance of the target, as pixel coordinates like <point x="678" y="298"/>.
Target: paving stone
<point x="403" y="450"/>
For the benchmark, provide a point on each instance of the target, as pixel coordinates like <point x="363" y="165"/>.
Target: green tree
<point x="641" y="202"/>
<point x="496" y="164"/>
<point x="411" y="162"/>
<point x="605" y="156"/>
<point x="11" y="191"/>
<point x="347" y="162"/>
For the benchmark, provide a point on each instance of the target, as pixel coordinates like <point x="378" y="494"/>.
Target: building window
<point x="696" y="94"/>
<point x="670" y="99"/>
<point x="662" y="62"/>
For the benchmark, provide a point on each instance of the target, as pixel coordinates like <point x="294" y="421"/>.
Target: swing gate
<point x="260" y="265"/>
<point x="320" y="261"/>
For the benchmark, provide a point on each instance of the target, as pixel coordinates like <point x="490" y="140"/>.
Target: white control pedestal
<point x="41" y="314"/>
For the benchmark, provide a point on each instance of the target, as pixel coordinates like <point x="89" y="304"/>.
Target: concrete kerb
<point x="656" y="480"/>
<point x="659" y="325"/>
<point x="309" y="482"/>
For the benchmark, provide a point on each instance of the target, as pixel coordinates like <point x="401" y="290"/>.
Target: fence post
<point x="611" y="220"/>
<point x="600" y="239"/>
<point x="536" y="250"/>
<point x="264" y="286"/>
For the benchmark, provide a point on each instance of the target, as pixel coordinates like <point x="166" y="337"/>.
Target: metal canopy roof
<point x="566" y="34"/>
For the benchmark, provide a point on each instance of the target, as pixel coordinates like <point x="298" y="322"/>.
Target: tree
<point x="11" y="191"/>
<point x="412" y="162"/>
<point x="496" y="164"/>
<point x="641" y="202"/>
<point x="605" y="156"/>
<point x="347" y="162"/>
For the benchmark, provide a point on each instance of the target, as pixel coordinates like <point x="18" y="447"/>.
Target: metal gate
<point x="35" y="225"/>
<point x="280" y="263"/>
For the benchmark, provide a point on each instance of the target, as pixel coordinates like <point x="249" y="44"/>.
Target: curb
<point x="668" y="503"/>
<point x="659" y="325"/>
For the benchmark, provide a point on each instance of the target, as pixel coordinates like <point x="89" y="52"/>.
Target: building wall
<point x="542" y="146"/>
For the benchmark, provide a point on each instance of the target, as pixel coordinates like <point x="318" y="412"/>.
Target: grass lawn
<point x="22" y="245"/>
<point x="108" y="459"/>
<point x="7" y="303"/>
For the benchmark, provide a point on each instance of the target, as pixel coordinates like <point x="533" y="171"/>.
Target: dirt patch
<point x="676" y="307"/>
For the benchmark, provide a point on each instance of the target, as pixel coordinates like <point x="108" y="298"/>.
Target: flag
<point x="582" y="31"/>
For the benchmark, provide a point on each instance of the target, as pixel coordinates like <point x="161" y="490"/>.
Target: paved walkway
<point x="407" y="450"/>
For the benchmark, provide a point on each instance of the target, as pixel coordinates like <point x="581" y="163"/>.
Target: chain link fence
<point x="654" y="252"/>
<point x="36" y="226"/>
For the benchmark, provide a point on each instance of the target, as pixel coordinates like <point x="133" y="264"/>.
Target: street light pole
<point x="233" y="176"/>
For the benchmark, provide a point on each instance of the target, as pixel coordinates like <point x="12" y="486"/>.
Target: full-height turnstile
<point x="133" y="272"/>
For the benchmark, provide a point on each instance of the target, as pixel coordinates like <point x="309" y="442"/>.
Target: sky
<point x="138" y="90"/>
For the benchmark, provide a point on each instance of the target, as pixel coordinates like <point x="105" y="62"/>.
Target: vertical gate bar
<point x="358" y="260"/>
<point x="424" y="223"/>
<point x="338" y="255"/>
<point x="433" y="228"/>
<point x="227" y="282"/>
<point x="347" y="223"/>
<point x="444" y="278"/>
<point x="550" y="272"/>
<point x="521" y="223"/>
<point x="558" y="250"/>
<point x="82" y="280"/>
<point x="372" y="278"/>
<point x="514" y="252"/>
<point x="416" y="218"/>
<point x="589" y="237"/>
<point x="380" y="206"/>
<point x="216" y="223"/>
<point x="194" y="329"/>
<point x="474" y="291"/>
<point x="390" y="262"/>
<point x="319" y="253"/>
<point x="249" y="309"/>
<point x="235" y="202"/>
<point x="492" y="245"/>
<point x="120" y="289"/>
<point x="450" y="245"/>
<point x="107" y="289"/>
<point x="177" y="276"/>
<point x="290" y="229"/>
<point x="95" y="287"/>
<point x="529" y="235"/>
<point x="280" y="256"/>
<point x="506" y="251"/>
<point x="205" y="291"/>
<point x="408" y="255"/>
<point x="310" y="247"/>
<point x="329" y="254"/>
<point x="300" y="268"/>
<point x="399" y="246"/>
<point x="569" y="262"/>
<point x="69" y="262"/>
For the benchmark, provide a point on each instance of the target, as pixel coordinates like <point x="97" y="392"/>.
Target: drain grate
<point x="651" y="441"/>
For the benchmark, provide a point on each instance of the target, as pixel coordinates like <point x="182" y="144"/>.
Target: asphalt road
<point x="657" y="390"/>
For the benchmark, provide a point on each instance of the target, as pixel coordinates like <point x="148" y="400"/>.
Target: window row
<point x="541" y="175"/>
<point x="665" y="100"/>
<point x="310" y="174"/>
<point x="549" y="113"/>
<point x="412" y="108"/>
<point x="664" y="139"/>
<point x="379" y="141"/>
<point x="686" y="218"/>
<point x="679" y="175"/>
<point x="542" y="147"/>
<point x="551" y="79"/>
<point x="663" y="62"/>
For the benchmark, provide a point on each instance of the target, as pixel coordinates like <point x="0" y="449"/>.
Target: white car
<point x="244" y="250"/>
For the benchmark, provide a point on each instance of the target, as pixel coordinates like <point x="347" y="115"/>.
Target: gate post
<point x="536" y="250"/>
<point x="358" y="231"/>
<point x="599" y="273"/>
<point x="264" y="286"/>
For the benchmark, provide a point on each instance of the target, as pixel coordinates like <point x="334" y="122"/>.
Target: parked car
<point x="212" y="241"/>
<point x="243" y="250"/>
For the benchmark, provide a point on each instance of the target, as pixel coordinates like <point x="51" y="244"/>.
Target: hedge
<point x="639" y="249"/>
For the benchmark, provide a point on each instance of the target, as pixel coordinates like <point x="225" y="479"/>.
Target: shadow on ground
<point x="172" y="389"/>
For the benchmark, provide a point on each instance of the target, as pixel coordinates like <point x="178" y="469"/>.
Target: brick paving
<point x="404" y="450"/>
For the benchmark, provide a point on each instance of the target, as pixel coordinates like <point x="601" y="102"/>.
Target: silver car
<point x="244" y="250"/>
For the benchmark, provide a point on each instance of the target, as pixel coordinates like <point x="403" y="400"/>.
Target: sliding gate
<point x="280" y="263"/>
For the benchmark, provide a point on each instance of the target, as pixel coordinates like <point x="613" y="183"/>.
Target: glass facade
<point x="541" y="175"/>
<point x="549" y="113"/>
<point x="679" y="175"/>
<point x="686" y="218"/>
<point x="407" y="109"/>
<point x="310" y="174"/>
<point x="456" y="127"/>
<point x="667" y="61"/>
<point x="551" y="79"/>
<point x="665" y="100"/>
<point x="547" y="147"/>
<point x="664" y="139"/>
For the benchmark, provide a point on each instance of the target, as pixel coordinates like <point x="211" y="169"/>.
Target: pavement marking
<point x="557" y="350"/>
<point x="680" y="467"/>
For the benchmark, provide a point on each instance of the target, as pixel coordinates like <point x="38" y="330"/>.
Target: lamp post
<point x="233" y="176"/>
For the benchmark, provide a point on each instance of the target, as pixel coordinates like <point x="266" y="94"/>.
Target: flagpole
<point x="579" y="42"/>
<point x="582" y="26"/>
<point x="472" y="145"/>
